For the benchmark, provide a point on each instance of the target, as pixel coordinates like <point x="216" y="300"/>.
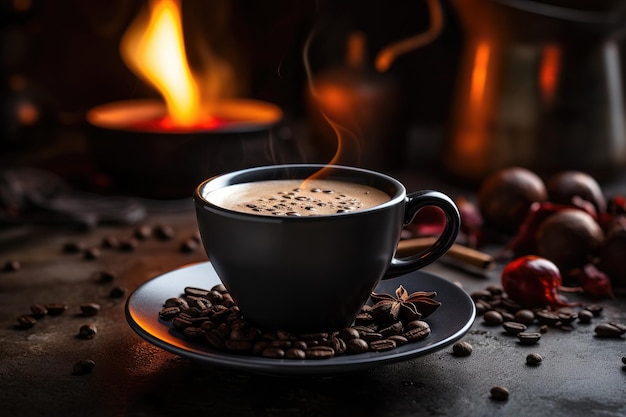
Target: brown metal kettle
<point x="539" y="86"/>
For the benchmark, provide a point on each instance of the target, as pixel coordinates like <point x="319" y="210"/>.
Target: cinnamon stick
<point x="463" y="255"/>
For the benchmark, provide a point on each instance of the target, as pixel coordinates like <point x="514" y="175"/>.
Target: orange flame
<point x="153" y="48"/>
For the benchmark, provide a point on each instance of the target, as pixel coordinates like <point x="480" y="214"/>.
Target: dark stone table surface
<point x="581" y="375"/>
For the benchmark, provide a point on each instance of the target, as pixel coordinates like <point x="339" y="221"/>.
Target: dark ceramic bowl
<point x="161" y="164"/>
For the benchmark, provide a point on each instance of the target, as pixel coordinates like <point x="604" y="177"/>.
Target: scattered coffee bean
<point x="89" y="309"/>
<point x="26" y="321"/>
<point x="164" y="232"/>
<point x="74" y="247"/>
<point x="533" y="359"/>
<point x="493" y="318"/>
<point x="92" y="253"/>
<point x="525" y="316"/>
<point x="143" y="232"/>
<point x="189" y="246"/>
<point x="117" y="292"/>
<point x="585" y="316"/>
<point x="11" y="266"/>
<point x="83" y="367"/>
<point x="87" y="331"/>
<point x="610" y="330"/>
<point x="105" y="276"/>
<point x="55" y="309"/>
<point x="38" y="310"/>
<point x="528" y="338"/>
<point x="462" y="349"/>
<point x="110" y="242"/>
<point x="595" y="309"/>
<point x="499" y="393"/>
<point x="128" y="244"/>
<point x="513" y="327"/>
<point x="624" y="360"/>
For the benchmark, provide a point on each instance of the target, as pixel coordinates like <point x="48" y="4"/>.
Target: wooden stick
<point x="462" y="254"/>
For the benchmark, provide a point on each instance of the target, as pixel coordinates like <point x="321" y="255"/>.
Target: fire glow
<point x="154" y="49"/>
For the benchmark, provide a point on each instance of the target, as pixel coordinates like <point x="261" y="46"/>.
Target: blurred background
<point x="490" y="83"/>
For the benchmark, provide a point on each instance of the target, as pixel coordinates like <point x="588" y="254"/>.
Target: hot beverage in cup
<point x="286" y="239"/>
<point x="297" y="198"/>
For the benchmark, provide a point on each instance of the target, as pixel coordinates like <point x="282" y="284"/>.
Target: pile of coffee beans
<point x="212" y="317"/>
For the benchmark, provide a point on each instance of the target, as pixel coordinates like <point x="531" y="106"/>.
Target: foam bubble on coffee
<point x="294" y="198"/>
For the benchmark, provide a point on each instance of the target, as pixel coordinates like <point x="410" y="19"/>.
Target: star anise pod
<point x="404" y="306"/>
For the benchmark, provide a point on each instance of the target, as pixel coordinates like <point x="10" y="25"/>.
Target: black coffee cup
<point x="313" y="273"/>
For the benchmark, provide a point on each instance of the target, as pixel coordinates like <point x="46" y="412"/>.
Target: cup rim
<point x="251" y="174"/>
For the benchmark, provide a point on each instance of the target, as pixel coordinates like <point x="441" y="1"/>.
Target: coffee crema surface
<point x="312" y="197"/>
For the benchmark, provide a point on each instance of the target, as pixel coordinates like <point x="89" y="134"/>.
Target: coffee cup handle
<point x="416" y="201"/>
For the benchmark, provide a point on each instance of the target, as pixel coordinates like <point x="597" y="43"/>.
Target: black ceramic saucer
<point x="448" y="324"/>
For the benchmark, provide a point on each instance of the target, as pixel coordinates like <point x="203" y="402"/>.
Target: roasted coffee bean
<point x="528" y="338"/>
<point x="227" y="300"/>
<point x="399" y="339"/>
<point x="177" y="302"/>
<point x="189" y="246"/>
<point x="180" y="323"/>
<point x="364" y="319"/>
<point x="285" y="335"/>
<point x="513" y="327"/>
<point x="624" y="360"/>
<point x="481" y="295"/>
<point x="482" y="307"/>
<point x="169" y="313"/>
<point x="533" y="359"/>
<point x="87" y="331"/>
<point x="92" y="253"/>
<point x="348" y="333"/>
<point x="547" y="317"/>
<point x="495" y="289"/>
<point x="38" y="310"/>
<point x="395" y="328"/>
<point x="197" y="292"/>
<point x="338" y="345"/>
<point x="117" y="292"/>
<point x="567" y="317"/>
<point x="319" y="352"/>
<point x="595" y="309"/>
<point x="89" y="309"/>
<point x="299" y="344"/>
<point x="11" y="266"/>
<point x="73" y="247"/>
<point x="26" y="321"/>
<point x="610" y="329"/>
<point x="281" y="343"/>
<point x="382" y="345"/>
<point x="219" y="288"/>
<point x="193" y="332"/>
<point x="274" y="352"/>
<point x="164" y="232"/>
<point x="295" y="353"/>
<point x="110" y="242"/>
<point x="525" y="316"/>
<point x="55" y="309"/>
<point x="499" y="393"/>
<point x="417" y="332"/>
<point x="356" y="346"/>
<point x="259" y="346"/>
<point x="105" y="276"/>
<point x="143" y="232"/>
<point x="585" y="316"/>
<point x="371" y="336"/>
<point x="83" y="367"/>
<point x="244" y="333"/>
<point x="462" y="349"/>
<point x="128" y="244"/>
<point x="493" y="318"/>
